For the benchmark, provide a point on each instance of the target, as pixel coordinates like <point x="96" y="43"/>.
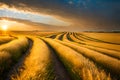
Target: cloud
<point x="46" y="19"/>
<point x="99" y="14"/>
<point x="29" y="25"/>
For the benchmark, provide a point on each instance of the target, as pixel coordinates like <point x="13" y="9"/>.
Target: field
<point x="59" y="56"/>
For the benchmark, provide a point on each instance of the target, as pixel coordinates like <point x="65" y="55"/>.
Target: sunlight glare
<point x="4" y="27"/>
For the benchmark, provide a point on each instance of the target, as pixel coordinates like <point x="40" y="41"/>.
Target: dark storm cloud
<point x="99" y="14"/>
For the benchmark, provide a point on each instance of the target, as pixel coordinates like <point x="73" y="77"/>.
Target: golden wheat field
<point x="59" y="56"/>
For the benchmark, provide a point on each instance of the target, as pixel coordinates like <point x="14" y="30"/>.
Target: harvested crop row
<point x="78" y="66"/>
<point x="109" y="63"/>
<point x="37" y="65"/>
<point x="52" y="35"/>
<point x="65" y="37"/>
<point x="73" y="38"/>
<point x="86" y="38"/>
<point x="11" y="52"/>
<point x="108" y="52"/>
<point x="99" y="44"/>
<point x="107" y="37"/>
<point x="81" y="38"/>
<point x="6" y="39"/>
<point x="111" y="53"/>
<point x="97" y="40"/>
<point x="76" y="36"/>
<point x="59" y="36"/>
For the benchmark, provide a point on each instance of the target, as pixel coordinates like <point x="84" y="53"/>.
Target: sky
<point x="60" y="15"/>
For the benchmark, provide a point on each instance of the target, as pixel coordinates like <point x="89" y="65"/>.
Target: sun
<point x="4" y="27"/>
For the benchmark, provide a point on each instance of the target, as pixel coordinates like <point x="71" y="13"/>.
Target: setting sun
<point x="4" y="27"/>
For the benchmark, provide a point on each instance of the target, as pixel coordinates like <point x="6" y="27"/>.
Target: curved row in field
<point x="78" y="66"/>
<point x="37" y="65"/>
<point x="10" y="53"/>
<point x="111" y="64"/>
<point x="97" y="43"/>
<point x="72" y="37"/>
<point x="112" y="38"/>
<point x="65" y="38"/>
<point x="111" y="53"/>
<point x="76" y="36"/>
<point x="59" y="36"/>
<point x="87" y="38"/>
<point x="6" y="39"/>
<point x="106" y="61"/>
<point x="66" y="56"/>
<point x="53" y="35"/>
<point x="40" y="64"/>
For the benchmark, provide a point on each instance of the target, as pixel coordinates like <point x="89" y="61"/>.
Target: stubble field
<point x="59" y="56"/>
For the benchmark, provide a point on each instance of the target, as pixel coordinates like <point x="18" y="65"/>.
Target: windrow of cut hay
<point x="11" y="52"/>
<point x="78" y="66"/>
<point x="88" y="38"/>
<point x="109" y="52"/>
<point x="37" y="65"/>
<point x="53" y="35"/>
<point x="5" y="39"/>
<point x="107" y="62"/>
<point x="65" y="37"/>
<point x="106" y="37"/>
<point x="112" y="53"/>
<point x="99" y="43"/>
<point x="59" y="36"/>
<point x="71" y="38"/>
<point x="47" y="34"/>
